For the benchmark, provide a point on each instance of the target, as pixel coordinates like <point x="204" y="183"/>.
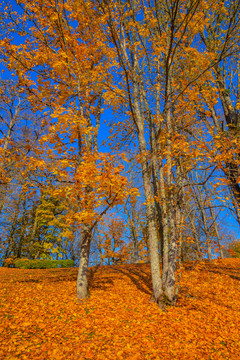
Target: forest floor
<point x="40" y="318"/>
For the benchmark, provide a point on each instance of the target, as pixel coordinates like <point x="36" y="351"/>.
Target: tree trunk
<point x="217" y="233"/>
<point x="149" y="198"/>
<point x="82" y="281"/>
<point x="135" y="248"/>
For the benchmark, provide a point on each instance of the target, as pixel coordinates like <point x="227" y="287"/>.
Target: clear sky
<point x="227" y="220"/>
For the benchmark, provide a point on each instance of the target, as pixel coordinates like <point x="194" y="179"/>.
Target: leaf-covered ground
<point x="40" y="317"/>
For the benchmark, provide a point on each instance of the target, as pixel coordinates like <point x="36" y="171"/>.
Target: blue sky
<point x="226" y="218"/>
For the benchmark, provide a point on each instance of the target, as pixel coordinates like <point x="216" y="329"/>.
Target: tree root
<point x="163" y="301"/>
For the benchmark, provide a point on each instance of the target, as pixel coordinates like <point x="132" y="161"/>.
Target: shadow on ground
<point x="140" y="278"/>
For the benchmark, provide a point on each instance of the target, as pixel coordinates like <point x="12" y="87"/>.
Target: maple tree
<point x="111" y="245"/>
<point x="219" y="95"/>
<point x="162" y="67"/>
<point x="70" y="65"/>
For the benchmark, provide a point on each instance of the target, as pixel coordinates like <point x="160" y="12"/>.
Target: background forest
<point x="119" y="134"/>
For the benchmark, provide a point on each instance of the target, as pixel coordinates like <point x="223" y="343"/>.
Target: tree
<point x="234" y="249"/>
<point x="161" y="64"/>
<point x="61" y="47"/>
<point x="110" y="242"/>
<point x="219" y="95"/>
<point x="19" y="129"/>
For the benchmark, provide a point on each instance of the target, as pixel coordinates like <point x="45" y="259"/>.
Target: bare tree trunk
<point x="217" y="232"/>
<point x="90" y="142"/>
<point x="135" y="245"/>
<point x="150" y="210"/>
<point x="196" y="237"/>
<point x="199" y="200"/>
<point x="82" y="280"/>
<point x="14" y="114"/>
<point x="132" y="221"/>
<point x="139" y="116"/>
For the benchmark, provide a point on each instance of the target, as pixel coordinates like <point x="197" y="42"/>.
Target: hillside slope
<point x="41" y="319"/>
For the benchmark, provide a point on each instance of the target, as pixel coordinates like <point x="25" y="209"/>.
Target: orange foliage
<point x="40" y="317"/>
